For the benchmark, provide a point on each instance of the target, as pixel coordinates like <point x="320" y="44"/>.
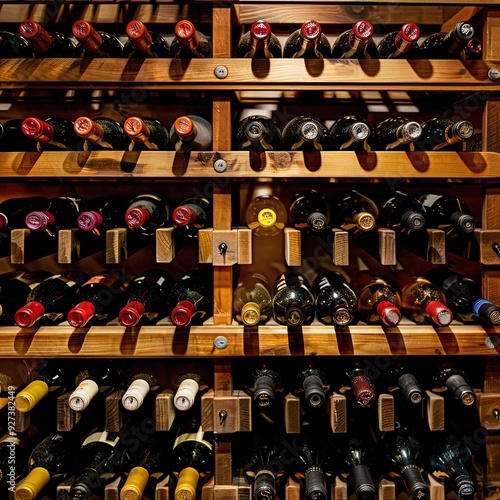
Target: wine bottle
<point x="264" y="384"/>
<point x="12" y="137"/>
<point x="14" y="46"/>
<point x="349" y="133"/>
<point x="99" y="299"/>
<point x="188" y="42"/>
<point x="399" y="376"/>
<point x="101" y="133"/>
<point x="402" y="44"/>
<point x="443" y="134"/>
<point x="259" y="42"/>
<point x="148" y="295"/>
<point x="305" y="133"/>
<point x="421" y="301"/>
<point x="13" y="211"/>
<point x="354" y="211"/>
<point x="147" y="133"/>
<point x="47" y="44"/>
<point x="192" y="215"/>
<point x="139" y="386"/>
<point x="448" y="378"/>
<point x="336" y="303"/>
<point x="449" y="213"/>
<point x="96" y="378"/>
<point x="309" y="211"/>
<point x="356" y="43"/>
<point x="143" y="43"/>
<point x="265" y="215"/>
<point x="377" y="299"/>
<point x="308" y="42"/>
<point x="252" y="303"/>
<point x="403" y="459"/>
<point x="402" y="213"/>
<point x="463" y="296"/>
<point x="312" y="384"/>
<point x="191" y="461"/>
<point x="52" y="134"/>
<point x="146" y="213"/>
<point x="102" y="213"/>
<point x="193" y="296"/>
<point x="96" y="43"/>
<point x="474" y="49"/>
<point x="447" y="45"/>
<point x="13" y="460"/>
<point x="293" y="301"/>
<point x="394" y="133"/>
<point x="191" y="133"/>
<point x="52" y="298"/>
<point x="257" y="133"/>
<point x="189" y="386"/>
<point x="358" y="380"/>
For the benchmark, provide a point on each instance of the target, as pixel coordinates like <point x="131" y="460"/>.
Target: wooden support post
<point x="292" y="490"/>
<point x="387" y="246"/>
<point x="491" y="35"/>
<point x="435" y="411"/>
<point x="491" y="131"/>
<point x="165" y="247"/>
<point x="292" y="414"/>
<point x="116" y="245"/>
<point x="486" y="239"/>
<point x="489" y="410"/>
<point x="338" y="412"/>
<point x="244" y="245"/>
<point x="68" y="246"/>
<point x="340" y="250"/>
<point x="205" y="254"/>
<point x="493" y="459"/>
<point x="491" y="285"/>
<point x="66" y="417"/>
<point x="386" y="412"/>
<point x="293" y="251"/>
<point x="340" y="489"/>
<point x="114" y="411"/>
<point x="436" y="247"/>
<point x="164" y="410"/>
<point x="386" y="490"/>
<point x="18" y="245"/>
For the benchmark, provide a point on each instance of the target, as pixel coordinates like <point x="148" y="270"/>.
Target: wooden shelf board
<point x="273" y="340"/>
<point x="247" y="74"/>
<point x="277" y="164"/>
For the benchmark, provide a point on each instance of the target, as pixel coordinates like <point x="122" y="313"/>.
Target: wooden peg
<point x="293" y="250"/>
<point x="116" y="245"/>
<point x="68" y="246"/>
<point x="340" y="250"/>
<point x="387" y="246"/>
<point x="165" y="245"/>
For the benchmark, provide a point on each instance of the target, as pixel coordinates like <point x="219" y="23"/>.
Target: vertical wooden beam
<point x="491" y="35"/>
<point x="221" y="31"/>
<point x="491" y="125"/>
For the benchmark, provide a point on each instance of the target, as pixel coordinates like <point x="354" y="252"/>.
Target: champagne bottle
<point x="309" y="211"/>
<point x="266" y="215"/>
<point x="189" y="386"/>
<point x="147" y="133"/>
<point x="312" y="384"/>
<point x="139" y="386"/>
<point x="305" y="133"/>
<point x="191" y="461"/>
<point x="394" y="134"/>
<point x="189" y="42"/>
<point x="355" y="211"/>
<point x="13" y="46"/>
<point x="47" y="44"/>
<point x="450" y="379"/>
<point x="96" y="43"/>
<point x="356" y="43"/>
<point x="402" y="213"/>
<point x="99" y="299"/>
<point x="12" y="137"/>
<point x="293" y="301"/>
<point x="336" y="302"/>
<point x="308" y="42"/>
<point x="440" y="134"/>
<point x="259" y="42"/>
<point x="52" y="297"/>
<point x="101" y="133"/>
<point x="447" y="45"/>
<point x="52" y="134"/>
<point x="349" y="133"/>
<point x="252" y="303"/>
<point x="192" y="215"/>
<point x="257" y="133"/>
<point x="143" y="43"/>
<point x="102" y="213"/>
<point x="402" y="44"/>
<point x="193" y="296"/>
<point x="146" y="213"/>
<point x="148" y="295"/>
<point x="191" y="133"/>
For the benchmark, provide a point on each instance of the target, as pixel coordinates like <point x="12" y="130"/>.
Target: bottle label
<point x="100" y="436"/>
<point x="267" y="217"/>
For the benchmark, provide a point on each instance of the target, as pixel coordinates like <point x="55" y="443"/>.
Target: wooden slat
<point x="491" y="376"/>
<point x="165" y="246"/>
<point x="489" y="410"/>
<point x="435" y="411"/>
<point x="387" y="246"/>
<point x="386" y="490"/>
<point x="491" y="35"/>
<point x="292" y="490"/>
<point x="436" y="488"/>
<point x="116" y="245"/>
<point x="68" y="246"/>
<point x="493" y="458"/>
<point x="293" y="250"/>
<point x="244" y="412"/>
<point x="491" y="285"/>
<point x="244" y="245"/>
<point x="205" y="237"/>
<point x="221" y="36"/>
<point x="164" y="410"/>
<point x="221" y="123"/>
<point x="463" y="14"/>
<point x="228" y="405"/>
<point x="66" y="417"/>
<point x="338" y="412"/>
<point x="340" y="251"/>
<point x="436" y="246"/>
<point x="114" y="411"/>
<point x="223" y="463"/>
<point x="292" y="414"/>
<point x="491" y="126"/>
<point x="18" y="245"/>
<point x="486" y="240"/>
<point x="385" y="404"/>
<point x="223" y="295"/>
<point x="491" y="205"/>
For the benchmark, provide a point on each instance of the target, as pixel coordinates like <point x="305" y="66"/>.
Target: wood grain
<point x="489" y="410"/>
<point x="435" y="411"/>
<point x="293" y="249"/>
<point x="19" y="245"/>
<point x="385" y="404"/>
<point x="165" y="244"/>
<point x="387" y="246"/>
<point x="436" y="246"/>
<point x="205" y="237"/>
<point x="223" y="295"/>
<point x="292" y="490"/>
<point x="340" y="249"/>
<point x="68" y="249"/>
<point x="244" y="245"/>
<point x="491" y="35"/>
<point x="386" y="489"/>
<point x="230" y="256"/>
<point x="164" y="410"/>
<point x="491" y="125"/>
<point x="116" y="245"/>
<point x="338" y="412"/>
<point x="491" y="209"/>
<point x="292" y="414"/>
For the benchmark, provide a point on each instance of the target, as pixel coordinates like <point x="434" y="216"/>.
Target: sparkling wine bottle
<point x="52" y="134"/>
<point x="189" y="42"/>
<point x="193" y="296"/>
<point x="308" y="42"/>
<point x="96" y="43"/>
<point x="102" y="213"/>
<point x="354" y="211"/>
<point x="101" y="133"/>
<point x="395" y="133"/>
<point x="257" y="133"/>
<point x="305" y="133"/>
<point x="147" y="133"/>
<point x="143" y="43"/>
<point x="356" y="43"/>
<point x="47" y="44"/>
<point x="12" y="137"/>
<point x="191" y="133"/>
<point x="349" y="133"/>
<point x="148" y="295"/>
<point x="259" y="42"/>
<point x="402" y="213"/>
<point x="146" y="213"/>
<point x="336" y="302"/>
<point x="443" y="134"/>
<point x="447" y="45"/>
<point x="309" y="211"/>
<point x="266" y="215"/>
<point x="13" y="46"/>
<point x="192" y="215"/>
<point x="293" y="301"/>
<point x="402" y="44"/>
<point x="252" y="303"/>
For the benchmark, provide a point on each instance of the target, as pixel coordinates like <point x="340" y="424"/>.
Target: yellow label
<point x="267" y="217"/>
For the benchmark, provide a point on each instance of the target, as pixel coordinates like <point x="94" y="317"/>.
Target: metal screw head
<point x="220" y="342"/>
<point x="221" y="72"/>
<point x="220" y="166"/>
<point x="222" y="416"/>
<point x="494" y="74"/>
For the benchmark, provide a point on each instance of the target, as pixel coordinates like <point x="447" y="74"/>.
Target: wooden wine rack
<point x="223" y="77"/>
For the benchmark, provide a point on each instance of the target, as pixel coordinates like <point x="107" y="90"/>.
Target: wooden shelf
<point x="167" y="341"/>
<point x="330" y="164"/>
<point x="249" y="74"/>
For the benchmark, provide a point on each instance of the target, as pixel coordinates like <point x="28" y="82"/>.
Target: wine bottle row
<point x="252" y="133"/>
<point x="259" y="41"/>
